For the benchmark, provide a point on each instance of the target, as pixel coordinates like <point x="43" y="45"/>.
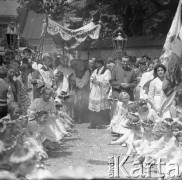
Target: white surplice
<point x="47" y="76"/>
<point x="99" y="93"/>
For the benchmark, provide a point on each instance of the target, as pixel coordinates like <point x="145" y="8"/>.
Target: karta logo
<point x="160" y="169"/>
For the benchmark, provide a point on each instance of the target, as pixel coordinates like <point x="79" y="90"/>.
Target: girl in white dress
<point x="134" y="134"/>
<point x="175" y="155"/>
<point x="34" y="137"/>
<point x="156" y="95"/>
<point x="140" y="145"/>
<point x="119" y="120"/>
<point x="146" y="113"/>
<point x="161" y="147"/>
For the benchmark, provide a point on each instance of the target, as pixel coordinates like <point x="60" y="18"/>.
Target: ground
<point x="88" y="148"/>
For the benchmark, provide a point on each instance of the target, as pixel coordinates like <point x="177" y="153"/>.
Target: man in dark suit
<point x="123" y="78"/>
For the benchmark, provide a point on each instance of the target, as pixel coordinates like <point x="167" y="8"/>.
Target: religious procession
<point x="129" y="104"/>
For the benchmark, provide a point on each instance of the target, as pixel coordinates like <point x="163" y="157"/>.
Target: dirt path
<point x="87" y="148"/>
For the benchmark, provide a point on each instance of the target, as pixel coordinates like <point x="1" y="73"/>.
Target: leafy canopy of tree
<point x="138" y="17"/>
<point x="55" y="8"/>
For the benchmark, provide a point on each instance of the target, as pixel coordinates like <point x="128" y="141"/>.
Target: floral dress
<point x="23" y="96"/>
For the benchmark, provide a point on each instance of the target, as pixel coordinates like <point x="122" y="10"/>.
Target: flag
<point x="174" y="30"/>
<point x="168" y="102"/>
<point x="171" y="59"/>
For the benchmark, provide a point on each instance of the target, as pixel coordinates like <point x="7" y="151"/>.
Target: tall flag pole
<point x="174" y="34"/>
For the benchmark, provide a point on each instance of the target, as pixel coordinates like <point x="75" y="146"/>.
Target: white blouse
<point x="156" y="94"/>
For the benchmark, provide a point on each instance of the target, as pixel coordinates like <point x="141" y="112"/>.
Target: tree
<point x="54" y="8"/>
<point x="138" y="17"/>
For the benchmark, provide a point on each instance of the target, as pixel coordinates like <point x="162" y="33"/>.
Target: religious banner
<point x="90" y="30"/>
<point x="174" y="29"/>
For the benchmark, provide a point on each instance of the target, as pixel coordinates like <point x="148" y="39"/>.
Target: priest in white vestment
<point x="99" y="88"/>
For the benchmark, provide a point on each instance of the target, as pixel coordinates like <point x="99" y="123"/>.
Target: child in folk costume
<point x="62" y="111"/>
<point x="129" y="138"/>
<point x="119" y="121"/>
<point x="23" y="162"/>
<point x="54" y="130"/>
<point x="175" y="155"/>
<point x="34" y="138"/>
<point x="147" y="113"/>
<point x="14" y="116"/>
<point x="148" y="138"/>
<point x="161" y="147"/>
<point x="60" y="100"/>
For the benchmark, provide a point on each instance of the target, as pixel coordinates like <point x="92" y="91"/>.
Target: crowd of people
<point x="42" y="100"/>
<point x="150" y="123"/>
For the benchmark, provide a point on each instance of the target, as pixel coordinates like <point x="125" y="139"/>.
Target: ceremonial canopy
<point x="37" y="28"/>
<point x="72" y="37"/>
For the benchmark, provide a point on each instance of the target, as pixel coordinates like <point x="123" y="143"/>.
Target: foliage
<point x="138" y="17"/>
<point x="53" y="8"/>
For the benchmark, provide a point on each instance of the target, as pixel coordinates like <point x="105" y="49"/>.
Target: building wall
<point x="152" y="52"/>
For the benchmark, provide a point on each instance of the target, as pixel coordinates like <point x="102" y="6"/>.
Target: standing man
<point x="82" y="91"/>
<point x="123" y="78"/>
<point x="91" y="65"/>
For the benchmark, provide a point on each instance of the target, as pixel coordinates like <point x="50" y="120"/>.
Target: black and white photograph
<point x="91" y="89"/>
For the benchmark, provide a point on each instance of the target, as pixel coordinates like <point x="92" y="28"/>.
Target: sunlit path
<point x="87" y="148"/>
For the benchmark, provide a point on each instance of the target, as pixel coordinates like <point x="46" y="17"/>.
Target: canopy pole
<point x="18" y="42"/>
<point x="40" y="47"/>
